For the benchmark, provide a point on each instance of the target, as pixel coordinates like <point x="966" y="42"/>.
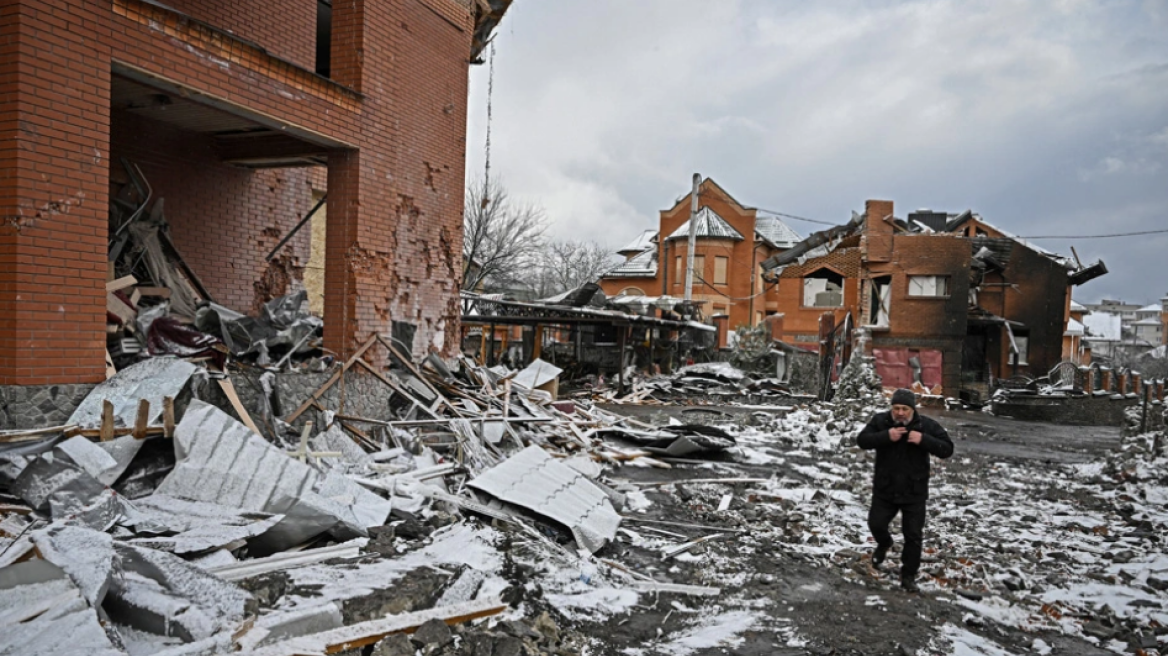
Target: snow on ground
<point x="1046" y="546"/>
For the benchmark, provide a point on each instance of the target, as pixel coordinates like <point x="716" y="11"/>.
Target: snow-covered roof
<point x="776" y="231"/>
<point x="1150" y="321"/>
<point x="1074" y="329"/>
<point x="1078" y="307"/>
<point x="1154" y="307"/>
<point x="709" y="225"/>
<point x="638" y="266"/>
<point x="642" y="242"/>
<point x="1104" y="327"/>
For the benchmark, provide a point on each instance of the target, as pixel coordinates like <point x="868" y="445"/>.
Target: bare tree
<point x="564" y="265"/>
<point x="499" y="237"/>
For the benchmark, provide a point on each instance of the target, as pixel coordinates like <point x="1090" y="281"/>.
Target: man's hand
<point x="914" y="437"/>
<point x="896" y="433"/>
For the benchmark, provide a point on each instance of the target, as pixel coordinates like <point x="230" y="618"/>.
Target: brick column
<point x="1106" y="380"/>
<point x="1136" y="386"/>
<point x="395" y="254"/>
<point x="775" y="323"/>
<point x="1121" y="386"/>
<point x="1160" y="389"/>
<point x="54" y="148"/>
<point x="1088" y="376"/>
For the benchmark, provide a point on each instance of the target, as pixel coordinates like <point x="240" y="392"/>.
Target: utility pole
<point x="693" y="231"/>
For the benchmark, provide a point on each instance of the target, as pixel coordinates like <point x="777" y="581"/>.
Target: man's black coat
<point x="902" y="469"/>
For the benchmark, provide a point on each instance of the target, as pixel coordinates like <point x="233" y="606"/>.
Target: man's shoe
<point x="879" y="555"/>
<point x="909" y="585"/>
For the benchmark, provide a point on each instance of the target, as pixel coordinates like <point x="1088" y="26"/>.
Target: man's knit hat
<point x="904" y="397"/>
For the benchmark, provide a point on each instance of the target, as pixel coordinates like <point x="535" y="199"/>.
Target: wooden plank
<point x="229" y="389"/>
<point x="358" y="635"/>
<point x="107" y="421"/>
<point x="331" y="381"/>
<point x="394" y="386"/>
<point x="119" y="309"/>
<point x="168" y="416"/>
<point x="141" y="419"/>
<point x="13" y="436"/>
<point x="121" y="283"/>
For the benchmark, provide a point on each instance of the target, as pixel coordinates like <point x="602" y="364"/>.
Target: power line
<point x="1118" y="234"/>
<point x="798" y="218"/>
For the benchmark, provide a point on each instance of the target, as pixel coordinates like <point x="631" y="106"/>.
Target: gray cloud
<point x="1046" y="118"/>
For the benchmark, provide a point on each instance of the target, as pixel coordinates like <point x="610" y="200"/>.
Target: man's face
<point x="902" y="414"/>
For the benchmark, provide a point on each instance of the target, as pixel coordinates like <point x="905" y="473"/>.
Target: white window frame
<point x="929" y="286"/>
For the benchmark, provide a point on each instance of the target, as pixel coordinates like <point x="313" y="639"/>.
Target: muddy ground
<point x="835" y="604"/>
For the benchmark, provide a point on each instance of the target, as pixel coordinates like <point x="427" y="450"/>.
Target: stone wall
<point x="39" y="406"/>
<point x="1097" y="410"/>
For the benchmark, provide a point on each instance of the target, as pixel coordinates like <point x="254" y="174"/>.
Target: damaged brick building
<point x="241" y="116"/>
<point x="731" y="241"/>
<point x="951" y="301"/>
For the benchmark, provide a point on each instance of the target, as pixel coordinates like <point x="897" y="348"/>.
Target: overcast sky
<point x="1047" y="117"/>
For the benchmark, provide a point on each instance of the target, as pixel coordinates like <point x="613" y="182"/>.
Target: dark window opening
<point x="324" y="36"/>
<point x="823" y="288"/>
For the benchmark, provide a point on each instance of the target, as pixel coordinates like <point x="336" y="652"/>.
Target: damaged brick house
<point x="951" y="301"/>
<point x="241" y="116"/>
<point x="732" y="240"/>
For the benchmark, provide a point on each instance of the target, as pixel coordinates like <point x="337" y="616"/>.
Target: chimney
<point x="877" y="246"/>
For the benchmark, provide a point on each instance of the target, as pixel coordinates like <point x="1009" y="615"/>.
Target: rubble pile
<point x="486" y="517"/>
<point x="139" y="528"/>
<point x="710" y="383"/>
<point x="156" y="304"/>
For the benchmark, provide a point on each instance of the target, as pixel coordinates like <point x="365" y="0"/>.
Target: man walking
<point x="903" y="440"/>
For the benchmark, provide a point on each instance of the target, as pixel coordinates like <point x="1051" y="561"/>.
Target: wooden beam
<point x="229" y="389"/>
<point x="168" y="416"/>
<point x="107" y="421"/>
<point x="121" y="283"/>
<point x="332" y="381"/>
<point x="141" y="419"/>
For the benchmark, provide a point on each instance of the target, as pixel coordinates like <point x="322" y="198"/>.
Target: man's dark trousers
<point x="912" y="520"/>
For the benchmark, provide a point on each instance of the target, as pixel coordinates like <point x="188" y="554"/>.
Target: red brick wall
<point x="285" y="28"/>
<point x="54" y="103"/>
<point x="396" y="179"/>
<point x="224" y="220"/>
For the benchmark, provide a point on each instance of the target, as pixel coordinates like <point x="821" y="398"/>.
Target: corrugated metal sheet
<point x="536" y="481"/>
<point x="150" y="379"/>
<point x="221" y="461"/>
<point x="709" y="225"/>
<point x="776" y="231"/>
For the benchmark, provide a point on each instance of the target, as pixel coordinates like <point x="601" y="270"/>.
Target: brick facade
<point x="742" y="297"/>
<point x="391" y="121"/>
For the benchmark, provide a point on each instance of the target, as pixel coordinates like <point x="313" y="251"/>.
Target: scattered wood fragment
<point x="229" y="389"/>
<point x="142" y="418"/>
<point x="106" y="432"/>
<point x="355" y="636"/>
<point x="121" y="283"/>
<point x="676" y="588"/>
<point x="31" y="435"/>
<point x="682" y="548"/>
